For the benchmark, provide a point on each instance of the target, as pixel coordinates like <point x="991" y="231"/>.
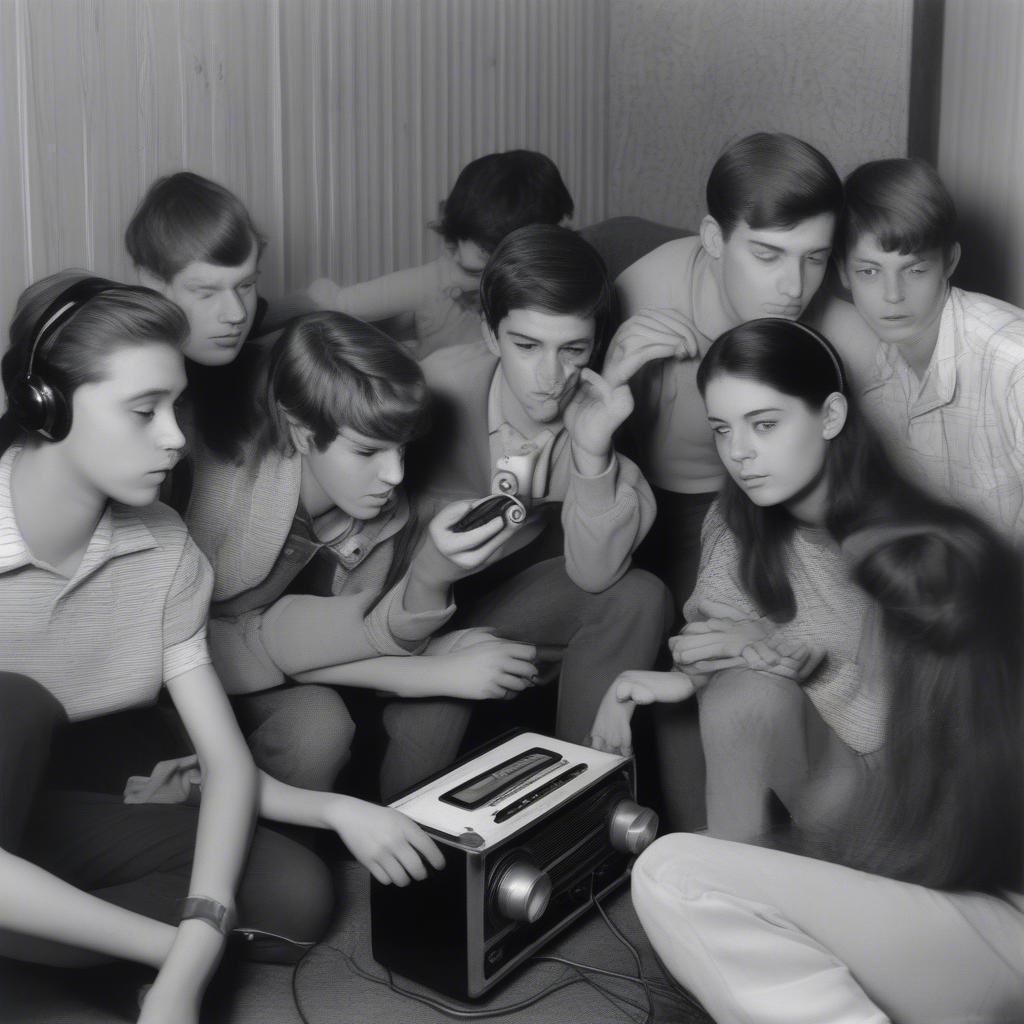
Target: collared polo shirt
<point x="132" y="616"/>
<point x="960" y="429"/>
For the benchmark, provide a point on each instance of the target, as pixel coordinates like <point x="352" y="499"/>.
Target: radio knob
<point x="632" y="827"/>
<point x="523" y="891"/>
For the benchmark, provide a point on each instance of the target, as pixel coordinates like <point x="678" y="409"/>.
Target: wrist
<point x="589" y="462"/>
<point x="218" y="916"/>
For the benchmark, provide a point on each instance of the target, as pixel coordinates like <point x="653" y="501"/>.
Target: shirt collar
<point x="119" y="532"/>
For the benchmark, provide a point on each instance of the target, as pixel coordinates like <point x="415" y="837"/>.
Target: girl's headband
<point x="821" y="340"/>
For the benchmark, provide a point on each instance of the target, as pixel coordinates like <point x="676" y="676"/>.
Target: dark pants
<point x="138" y="857"/>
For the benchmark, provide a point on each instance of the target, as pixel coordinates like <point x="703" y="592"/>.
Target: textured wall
<point x="981" y="141"/>
<point x="340" y="123"/>
<point x="687" y="77"/>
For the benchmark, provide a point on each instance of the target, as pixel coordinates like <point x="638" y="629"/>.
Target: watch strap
<point x="209" y="910"/>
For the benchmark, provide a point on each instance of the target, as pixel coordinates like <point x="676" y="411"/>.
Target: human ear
<point x="834" y="415"/>
<point x="301" y="436"/>
<point x="840" y="262"/>
<point x="490" y="338"/>
<point x="952" y="260"/>
<point x="711" y="237"/>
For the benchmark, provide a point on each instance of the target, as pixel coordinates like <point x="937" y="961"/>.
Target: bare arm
<point x="392" y="295"/>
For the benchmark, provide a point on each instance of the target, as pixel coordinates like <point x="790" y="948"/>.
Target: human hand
<point x="325" y="293"/>
<point x="651" y="334"/>
<point x="716" y="644"/>
<point x="483" y="667"/>
<point x="611" y="730"/>
<point x="447" y="555"/>
<point x="791" y="659"/>
<point x="653" y="687"/>
<point x="390" y="845"/>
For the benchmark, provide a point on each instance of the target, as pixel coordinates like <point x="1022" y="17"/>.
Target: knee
<point x="741" y="703"/>
<point x="295" y="900"/>
<point x="27" y="707"/>
<point x="638" y="597"/>
<point x="326" y="722"/>
<point x="681" y="854"/>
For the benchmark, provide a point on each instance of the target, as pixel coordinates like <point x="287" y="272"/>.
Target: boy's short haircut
<point x="551" y="269"/>
<point x="498" y="193"/>
<point x="185" y="218"/>
<point x="771" y="180"/>
<point x="901" y="202"/>
<point x="328" y="371"/>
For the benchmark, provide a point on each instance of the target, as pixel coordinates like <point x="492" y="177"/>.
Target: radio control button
<point x="522" y="892"/>
<point x="632" y="828"/>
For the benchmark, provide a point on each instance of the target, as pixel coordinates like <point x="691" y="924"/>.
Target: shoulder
<point x="853" y="339"/>
<point x="653" y="280"/>
<point x="453" y="368"/>
<point x="990" y="325"/>
<point x="160" y="520"/>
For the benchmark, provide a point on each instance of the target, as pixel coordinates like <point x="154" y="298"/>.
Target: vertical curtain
<point x="340" y="123"/>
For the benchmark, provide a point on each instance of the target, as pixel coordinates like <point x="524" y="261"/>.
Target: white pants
<point x="763" y="937"/>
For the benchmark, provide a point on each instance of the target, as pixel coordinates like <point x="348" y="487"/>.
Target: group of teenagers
<point x="828" y="498"/>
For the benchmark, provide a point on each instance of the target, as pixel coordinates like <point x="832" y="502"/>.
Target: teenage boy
<point x="762" y="250"/>
<point x="946" y="389"/>
<point x="529" y="409"/>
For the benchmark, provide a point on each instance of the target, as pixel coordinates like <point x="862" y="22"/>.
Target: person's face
<point x="899" y="295"/>
<point x="541" y="356"/>
<point x="124" y="437"/>
<point x="356" y="473"/>
<point x="470" y="258"/>
<point x="770" y="271"/>
<point x="772" y="444"/>
<point x="220" y="303"/>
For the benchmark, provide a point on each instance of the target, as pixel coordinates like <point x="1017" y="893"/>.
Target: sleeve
<point x="391" y="629"/>
<point x="185" y="613"/>
<point x="605" y="518"/>
<point x="1014" y="413"/>
<point x="718" y="578"/>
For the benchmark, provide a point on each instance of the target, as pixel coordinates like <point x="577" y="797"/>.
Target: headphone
<point x="39" y="405"/>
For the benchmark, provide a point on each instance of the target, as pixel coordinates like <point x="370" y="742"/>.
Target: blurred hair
<point x="944" y="809"/>
<point x="185" y="218"/>
<point x="77" y="353"/>
<point x="498" y="193"/>
<point x="903" y="203"/>
<point x="328" y="371"/>
<point x="551" y="269"/>
<point x="771" y="180"/>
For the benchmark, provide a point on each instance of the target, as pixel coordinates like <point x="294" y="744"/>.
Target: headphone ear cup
<point x="40" y="408"/>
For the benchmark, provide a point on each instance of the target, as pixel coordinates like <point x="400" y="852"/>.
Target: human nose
<point x="791" y="283"/>
<point x="232" y="310"/>
<point x="392" y="468"/>
<point x="551" y="373"/>
<point x="171" y="437"/>
<point x="893" y="288"/>
<point x="739" y="446"/>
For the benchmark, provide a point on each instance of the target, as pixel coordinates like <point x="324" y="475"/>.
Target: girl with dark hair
<point x="818" y="541"/>
<point x="437" y="305"/>
<point x="310" y="536"/>
<point x="103" y="599"/>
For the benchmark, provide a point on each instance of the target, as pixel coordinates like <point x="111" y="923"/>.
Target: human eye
<point x="817" y="258"/>
<point x="525" y="346"/>
<point x="765" y="255"/>
<point x="575" y="353"/>
<point x="919" y="268"/>
<point x="866" y="272"/>
<point x="144" y="412"/>
<point x="764" y="426"/>
<point x="720" y="429"/>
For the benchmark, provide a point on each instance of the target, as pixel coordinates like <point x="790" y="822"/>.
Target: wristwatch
<point x="209" y="910"/>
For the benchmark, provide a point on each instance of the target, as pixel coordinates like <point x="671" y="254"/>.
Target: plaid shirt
<point x="960" y="430"/>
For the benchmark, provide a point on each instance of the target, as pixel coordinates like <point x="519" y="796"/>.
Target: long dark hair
<point x="945" y="808"/>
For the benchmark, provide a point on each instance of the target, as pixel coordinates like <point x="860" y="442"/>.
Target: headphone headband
<point x="61" y="310"/>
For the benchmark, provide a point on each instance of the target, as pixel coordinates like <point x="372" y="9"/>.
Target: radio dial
<point x="522" y="892"/>
<point x="633" y="828"/>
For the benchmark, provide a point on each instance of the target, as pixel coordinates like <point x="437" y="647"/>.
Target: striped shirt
<point x="132" y="616"/>
<point x="960" y="430"/>
<point x="831" y="612"/>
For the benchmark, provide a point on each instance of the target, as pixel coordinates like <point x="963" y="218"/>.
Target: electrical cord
<point x="581" y="970"/>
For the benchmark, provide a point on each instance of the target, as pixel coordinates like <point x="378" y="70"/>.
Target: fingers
<point x="394" y="873"/>
<point x="426" y="846"/>
<point x="712" y="665"/>
<point x="711" y="609"/>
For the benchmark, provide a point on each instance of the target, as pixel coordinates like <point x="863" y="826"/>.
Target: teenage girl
<point x="103" y="599"/>
<point x="437" y="304"/>
<point x="815" y="529"/>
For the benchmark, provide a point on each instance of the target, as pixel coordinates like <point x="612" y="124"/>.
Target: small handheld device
<point x="510" y="508"/>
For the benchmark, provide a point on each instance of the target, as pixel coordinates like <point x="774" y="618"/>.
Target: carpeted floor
<point x="340" y="983"/>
